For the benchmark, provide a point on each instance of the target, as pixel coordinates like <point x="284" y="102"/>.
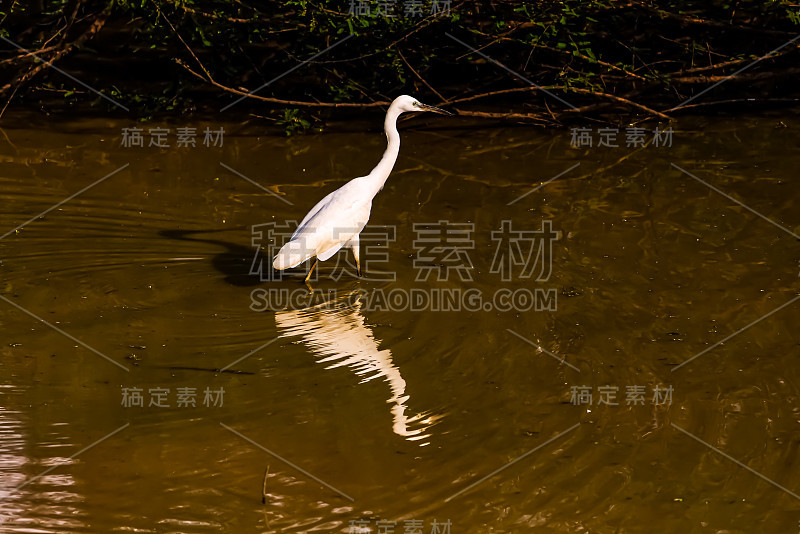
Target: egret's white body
<point x="337" y="220"/>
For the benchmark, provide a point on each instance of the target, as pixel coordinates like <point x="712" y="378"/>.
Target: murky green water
<point x="360" y="411"/>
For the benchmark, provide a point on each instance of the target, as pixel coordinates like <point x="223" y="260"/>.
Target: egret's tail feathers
<point x="291" y="255"/>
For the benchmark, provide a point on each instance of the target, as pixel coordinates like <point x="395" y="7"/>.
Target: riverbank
<point x="300" y="65"/>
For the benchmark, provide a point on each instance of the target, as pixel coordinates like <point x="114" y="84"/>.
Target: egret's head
<point x="409" y="103"/>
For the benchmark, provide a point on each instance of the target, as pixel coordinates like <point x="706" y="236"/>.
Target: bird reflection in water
<point x="336" y="333"/>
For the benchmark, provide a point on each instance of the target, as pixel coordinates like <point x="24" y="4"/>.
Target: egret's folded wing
<point x="323" y="231"/>
<point x="312" y="213"/>
<point x="335" y="208"/>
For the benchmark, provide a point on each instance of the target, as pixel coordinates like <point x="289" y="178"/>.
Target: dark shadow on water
<point x="236" y="262"/>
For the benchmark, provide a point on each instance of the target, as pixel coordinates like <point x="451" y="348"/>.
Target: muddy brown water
<point x="370" y="411"/>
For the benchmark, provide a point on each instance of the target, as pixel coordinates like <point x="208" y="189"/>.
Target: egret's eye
<point x="415" y="104"/>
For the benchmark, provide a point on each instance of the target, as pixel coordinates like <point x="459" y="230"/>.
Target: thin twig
<point x="264" y="487"/>
<point x="750" y="77"/>
<point x="282" y="102"/>
<point x="429" y="86"/>
<point x="9" y="100"/>
<point x="622" y="100"/>
<point x="537" y="117"/>
<point x="739" y="101"/>
<point x="184" y="44"/>
<point x="99" y="22"/>
<point x="29" y="54"/>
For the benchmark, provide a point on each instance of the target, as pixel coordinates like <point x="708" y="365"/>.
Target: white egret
<point x="337" y="220"/>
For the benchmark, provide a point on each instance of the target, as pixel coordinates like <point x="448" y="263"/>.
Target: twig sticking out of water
<point x="264" y="487"/>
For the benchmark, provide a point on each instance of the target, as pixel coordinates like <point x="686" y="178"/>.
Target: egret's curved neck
<point x="384" y="167"/>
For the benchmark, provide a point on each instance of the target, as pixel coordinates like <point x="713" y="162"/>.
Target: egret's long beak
<point x="426" y="107"/>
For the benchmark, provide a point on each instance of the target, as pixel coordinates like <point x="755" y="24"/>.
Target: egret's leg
<point x="354" y="246"/>
<point x="311" y="271"/>
<point x="358" y="263"/>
